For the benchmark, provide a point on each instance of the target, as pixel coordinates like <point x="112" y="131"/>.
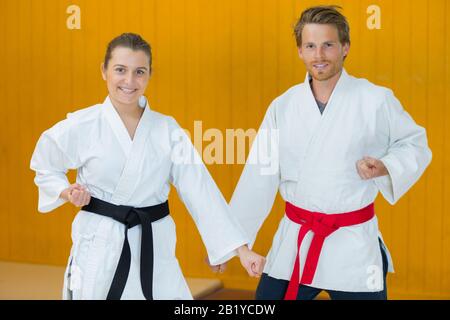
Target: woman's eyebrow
<point x="121" y="65"/>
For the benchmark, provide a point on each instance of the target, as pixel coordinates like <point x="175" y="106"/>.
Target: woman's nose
<point x="128" y="78"/>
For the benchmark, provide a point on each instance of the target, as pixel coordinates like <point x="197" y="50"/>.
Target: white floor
<point x="40" y="282"/>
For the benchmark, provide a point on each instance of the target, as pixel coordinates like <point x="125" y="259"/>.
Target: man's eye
<point x="140" y="72"/>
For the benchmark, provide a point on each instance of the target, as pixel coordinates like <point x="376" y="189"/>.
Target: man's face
<point x="321" y="51"/>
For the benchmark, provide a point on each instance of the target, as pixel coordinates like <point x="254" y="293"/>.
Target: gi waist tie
<point x="131" y="217"/>
<point x="322" y="225"/>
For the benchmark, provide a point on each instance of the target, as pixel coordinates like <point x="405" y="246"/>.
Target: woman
<point x="126" y="156"/>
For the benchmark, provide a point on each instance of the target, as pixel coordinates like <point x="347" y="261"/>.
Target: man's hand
<point x="369" y="168"/>
<point x="216" y="269"/>
<point x="251" y="261"/>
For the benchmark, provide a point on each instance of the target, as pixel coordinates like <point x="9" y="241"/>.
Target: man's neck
<point x="322" y="90"/>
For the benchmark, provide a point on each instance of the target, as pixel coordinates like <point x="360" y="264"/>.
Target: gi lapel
<point x="334" y="103"/>
<point x="134" y="150"/>
<point x="117" y="126"/>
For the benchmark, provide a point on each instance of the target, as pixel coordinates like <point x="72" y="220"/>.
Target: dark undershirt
<point x="319" y="104"/>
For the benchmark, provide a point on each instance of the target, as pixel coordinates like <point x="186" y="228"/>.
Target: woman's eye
<point x="120" y="70"/>
<point x="140" y="72"/>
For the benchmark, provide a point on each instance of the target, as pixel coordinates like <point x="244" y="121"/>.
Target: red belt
<point x="322" y="225"/>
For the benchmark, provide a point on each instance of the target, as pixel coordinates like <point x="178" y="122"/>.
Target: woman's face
<point x="127" y="75"/>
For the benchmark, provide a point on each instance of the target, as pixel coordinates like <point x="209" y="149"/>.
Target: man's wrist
<point x="242" y="249"/>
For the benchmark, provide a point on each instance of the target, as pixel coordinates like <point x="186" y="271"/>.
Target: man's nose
<point x="319" y="53"/>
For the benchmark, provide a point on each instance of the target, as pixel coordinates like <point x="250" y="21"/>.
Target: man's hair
<point x="323" y="15"/>
<point x="128" y="40"/>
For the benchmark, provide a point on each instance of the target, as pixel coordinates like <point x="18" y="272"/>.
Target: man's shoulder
<point x="292" y="91"/>
<point x="289" y="95"/>
<point x="367" y="88"/>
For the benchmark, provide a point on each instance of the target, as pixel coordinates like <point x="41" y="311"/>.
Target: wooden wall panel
<point x="222" y="63"/>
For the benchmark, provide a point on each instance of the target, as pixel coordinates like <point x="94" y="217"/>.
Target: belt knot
<point x="323" y="225"/>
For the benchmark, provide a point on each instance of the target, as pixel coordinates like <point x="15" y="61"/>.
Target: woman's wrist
<point x="65" y="194"/>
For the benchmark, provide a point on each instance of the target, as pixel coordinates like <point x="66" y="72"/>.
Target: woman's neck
<point x="127" y="110"/>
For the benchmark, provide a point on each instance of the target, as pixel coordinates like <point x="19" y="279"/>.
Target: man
<point x="340" y="141"/>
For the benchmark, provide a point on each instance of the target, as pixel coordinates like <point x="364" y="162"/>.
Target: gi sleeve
<point x="219" y="231"/>
<point x="257" y="188"/>
<point x="408" y="153"/>
<point x="55" y="153"/>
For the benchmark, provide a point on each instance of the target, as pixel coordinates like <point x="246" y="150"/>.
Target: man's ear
<point x="346" y="49"/>
<point x="300" y="52"/>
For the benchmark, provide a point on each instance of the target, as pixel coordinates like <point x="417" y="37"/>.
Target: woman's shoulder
<point x="85" y="114"/>
<point x="75" y="121"/>
<point x="164" y="120"/>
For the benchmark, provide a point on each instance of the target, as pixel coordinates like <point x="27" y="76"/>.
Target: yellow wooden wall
<point x="222" y="62"/>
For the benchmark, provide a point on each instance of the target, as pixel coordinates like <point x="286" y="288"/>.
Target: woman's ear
<point x="103" y="71"/>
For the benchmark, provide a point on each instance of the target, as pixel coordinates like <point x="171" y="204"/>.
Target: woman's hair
<point x="128" y="40"/>
<point x="323" y="15"/>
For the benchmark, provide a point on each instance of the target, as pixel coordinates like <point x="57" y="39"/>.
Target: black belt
<point x="131" y="217"/>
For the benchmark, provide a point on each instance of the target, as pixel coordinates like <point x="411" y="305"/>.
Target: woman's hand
<point x="77" y="194"/>
<point x="216" y="269"/>
<point x="251" y="261"/>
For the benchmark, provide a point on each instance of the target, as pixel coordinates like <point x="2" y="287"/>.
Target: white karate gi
<point x="136" y="173"/>
<point x="317" y="172"/>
